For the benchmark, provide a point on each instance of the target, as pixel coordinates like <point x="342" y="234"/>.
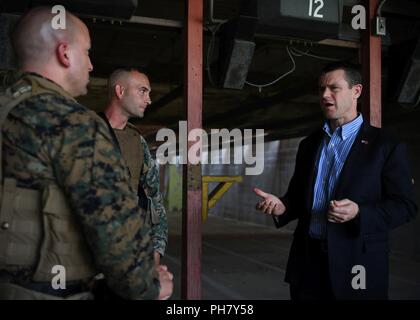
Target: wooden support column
<point x="191" y="204"/>
<point x="371" y="68"/>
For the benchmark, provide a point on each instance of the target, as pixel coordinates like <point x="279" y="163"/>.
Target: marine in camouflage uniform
<point x="65" y="198"/>
<point x="146" y="180"/>
<point x="143" y="168"/>
<point x="51" y="139"/>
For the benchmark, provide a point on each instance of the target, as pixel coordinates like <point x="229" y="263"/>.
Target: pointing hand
<point x="269" y="204"/>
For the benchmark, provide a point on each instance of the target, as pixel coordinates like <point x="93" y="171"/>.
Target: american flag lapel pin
<point x="365" y="142"/>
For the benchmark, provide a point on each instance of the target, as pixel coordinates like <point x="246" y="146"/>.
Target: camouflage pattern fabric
<point x="51" y="138"/>
<point x="150" y="182"/>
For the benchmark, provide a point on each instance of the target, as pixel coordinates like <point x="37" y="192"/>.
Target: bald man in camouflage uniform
<point x="128" y="97"/>
<point x="66" y="198"/>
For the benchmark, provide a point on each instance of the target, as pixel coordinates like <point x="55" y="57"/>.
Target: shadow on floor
<point x="243" y="261"/>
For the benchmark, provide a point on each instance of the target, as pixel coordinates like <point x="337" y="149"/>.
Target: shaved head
<point x="35" y="39"/>
<point x="62" y="55"/>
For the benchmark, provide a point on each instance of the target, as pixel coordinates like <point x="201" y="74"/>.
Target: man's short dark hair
<point x="351" y="71"/>
<point x="115" y="75"/>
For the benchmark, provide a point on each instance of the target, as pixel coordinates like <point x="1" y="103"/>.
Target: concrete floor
<point x="247" y="261"/>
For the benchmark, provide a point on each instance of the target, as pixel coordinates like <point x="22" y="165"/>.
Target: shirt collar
<point x="346" y="130"/>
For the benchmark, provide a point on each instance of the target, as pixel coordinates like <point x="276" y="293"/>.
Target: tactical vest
<point x="37" y="228"/>
<point x="132" y="152"/>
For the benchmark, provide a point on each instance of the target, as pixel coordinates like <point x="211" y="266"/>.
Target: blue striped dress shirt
<point x="333" y="153"/>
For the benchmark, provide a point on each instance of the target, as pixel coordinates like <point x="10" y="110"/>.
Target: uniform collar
<point x="39" y="82"/>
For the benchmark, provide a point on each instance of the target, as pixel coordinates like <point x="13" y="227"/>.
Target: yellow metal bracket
<point x="210" y="200"/>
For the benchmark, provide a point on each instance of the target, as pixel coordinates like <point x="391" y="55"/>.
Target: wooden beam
<point x="192" y="201"/>
<point x="247" y="107"/>
<point x="371" y="64"/>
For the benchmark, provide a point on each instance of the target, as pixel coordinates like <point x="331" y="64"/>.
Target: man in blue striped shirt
<point x="351" y="185"/>
<point x="334" y="150"/>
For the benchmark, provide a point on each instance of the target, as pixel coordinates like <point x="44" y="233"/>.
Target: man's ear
<point x="62" y="54"/>
<point x="119" y="91"/>
<point x="357" y="90"/>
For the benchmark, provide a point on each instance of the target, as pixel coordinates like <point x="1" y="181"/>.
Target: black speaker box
<point x="235" y="63"/>
<point x="404" y="76"/>
<point x="236" y="51"/>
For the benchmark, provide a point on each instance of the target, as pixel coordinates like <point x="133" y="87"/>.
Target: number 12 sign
<point x="306" y="19"/>
<point x="320" y="10"/>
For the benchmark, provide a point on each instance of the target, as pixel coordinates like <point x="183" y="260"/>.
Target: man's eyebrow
<point x="335" y="83"/>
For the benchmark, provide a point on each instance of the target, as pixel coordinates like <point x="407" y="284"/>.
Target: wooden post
<point x="192" y="201"/>
<point x="371" y="68"/>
